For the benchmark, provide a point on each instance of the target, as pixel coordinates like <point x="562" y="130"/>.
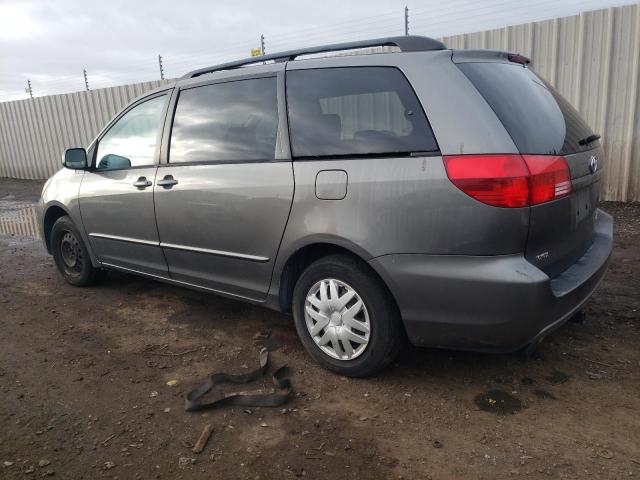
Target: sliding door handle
<point x="168" y="181"/>
<point x="142" y="182"/>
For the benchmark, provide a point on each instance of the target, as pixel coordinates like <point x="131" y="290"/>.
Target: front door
<point x="223" y="199"/>
<point x="116" y="195"/>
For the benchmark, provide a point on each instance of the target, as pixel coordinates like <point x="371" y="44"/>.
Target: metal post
<point x="161" y="69"/>
<point x="406" y="20"/>
<point x="29" y="90"/>
<point x="262" y="44"/>
<point x="86" y="80"/>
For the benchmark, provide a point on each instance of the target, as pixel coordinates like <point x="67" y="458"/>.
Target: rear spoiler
<point x="469" y="56"/>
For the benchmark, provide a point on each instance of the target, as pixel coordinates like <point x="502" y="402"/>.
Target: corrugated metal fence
<point x="34" y="133"/>
<point x="591" y="58"/>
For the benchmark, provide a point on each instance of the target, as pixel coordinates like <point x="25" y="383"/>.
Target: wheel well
<point x="52" y="214"/>
<point x="304" y="257"/>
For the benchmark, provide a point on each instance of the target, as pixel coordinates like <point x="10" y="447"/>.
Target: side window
<point x="355" y="111"/>
<point x="233" y="121"/>
<point x="132" y="140"/>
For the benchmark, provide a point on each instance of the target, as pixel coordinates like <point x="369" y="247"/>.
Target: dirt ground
<point x="84" y="372"/>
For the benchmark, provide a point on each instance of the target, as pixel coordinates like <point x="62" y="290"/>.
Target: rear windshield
<point x="538" y="118"/>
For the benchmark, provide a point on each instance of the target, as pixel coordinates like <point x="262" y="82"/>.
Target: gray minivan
<point x="447" y="197"/>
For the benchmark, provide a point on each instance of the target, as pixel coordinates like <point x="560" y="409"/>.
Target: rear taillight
<point x="549" y="178"/>
<point x="499" y="180"/>
<point x="510" y="180"/>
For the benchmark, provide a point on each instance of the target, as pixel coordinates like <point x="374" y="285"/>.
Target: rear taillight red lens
<point x="549" y="179"/>
<point x="499" y="180"/>
<point x="510" y="180"/>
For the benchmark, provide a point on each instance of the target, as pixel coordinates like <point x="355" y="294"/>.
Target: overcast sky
<point x="118" y="41"/>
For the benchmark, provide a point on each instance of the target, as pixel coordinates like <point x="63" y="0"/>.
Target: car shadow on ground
<point x="200" y="308"/>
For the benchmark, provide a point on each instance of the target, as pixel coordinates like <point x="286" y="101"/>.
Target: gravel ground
<point x="84" y="372"/>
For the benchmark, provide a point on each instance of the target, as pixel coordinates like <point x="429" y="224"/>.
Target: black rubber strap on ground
<point x="282" y="389"/>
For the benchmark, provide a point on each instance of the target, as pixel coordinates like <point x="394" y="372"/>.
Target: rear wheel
<point x="346" y="317"/>
<point x="71" y="255"/>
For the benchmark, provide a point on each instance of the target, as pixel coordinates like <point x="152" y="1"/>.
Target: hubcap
<point x="70" y="252"/>
<point x="337" y="319"/>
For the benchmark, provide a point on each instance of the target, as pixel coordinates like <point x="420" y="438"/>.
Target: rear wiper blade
<point x="589" y="139"/>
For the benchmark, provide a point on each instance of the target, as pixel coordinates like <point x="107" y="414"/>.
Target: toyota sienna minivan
<point x="447" y="197"/>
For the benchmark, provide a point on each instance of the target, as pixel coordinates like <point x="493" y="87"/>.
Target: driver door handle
<point x="168" y="181"/>
<point x="142" y="182"/>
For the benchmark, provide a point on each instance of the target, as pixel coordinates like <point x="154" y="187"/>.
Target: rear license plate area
<point x="585" y="201"/>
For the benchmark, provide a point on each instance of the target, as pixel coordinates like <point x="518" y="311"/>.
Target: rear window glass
<point x="355" y="111"/>
<point x="538" y="118"/>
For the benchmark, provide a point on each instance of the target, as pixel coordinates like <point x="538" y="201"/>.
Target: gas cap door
<point x="331" y="184"/>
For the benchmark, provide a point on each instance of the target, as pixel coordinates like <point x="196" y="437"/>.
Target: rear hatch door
<point x="541" y="122"/>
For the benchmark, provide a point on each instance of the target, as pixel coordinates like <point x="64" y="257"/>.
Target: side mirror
<point x="75" y="158"/>
<point x="112" y="161"/>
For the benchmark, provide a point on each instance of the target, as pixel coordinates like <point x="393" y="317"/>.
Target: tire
<point x="372" y="350"/>
<point x="71" y="255"/>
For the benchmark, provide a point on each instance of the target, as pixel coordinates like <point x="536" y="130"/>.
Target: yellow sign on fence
<point x="256" y="52"/>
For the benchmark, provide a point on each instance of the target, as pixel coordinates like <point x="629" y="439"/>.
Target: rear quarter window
<point x="355" y="111"/>
<point x="536" y="116"/>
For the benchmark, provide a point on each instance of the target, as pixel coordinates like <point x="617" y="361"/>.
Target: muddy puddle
<point x="498" y="402"/>
<point x="20" y="222"/>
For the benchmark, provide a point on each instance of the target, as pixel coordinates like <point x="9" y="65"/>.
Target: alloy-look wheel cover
<point x="337" y="319"/>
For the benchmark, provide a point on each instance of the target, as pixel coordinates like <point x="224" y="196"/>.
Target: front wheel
<point x="345" y="316"/>
<point x="71" y="255"/>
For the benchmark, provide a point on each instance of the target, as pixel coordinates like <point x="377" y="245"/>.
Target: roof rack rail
<point x="409" y="43"/>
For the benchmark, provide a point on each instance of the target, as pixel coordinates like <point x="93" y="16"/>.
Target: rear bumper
<point x="498" y="304"/>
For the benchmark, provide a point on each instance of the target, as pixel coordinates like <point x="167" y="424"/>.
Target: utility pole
<point x="262" y="44"/>
<point x="161" y="69"/>
<point x="86" y="80"/>
<point x="29" y="90"/>
<point x="406" y="20"/>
